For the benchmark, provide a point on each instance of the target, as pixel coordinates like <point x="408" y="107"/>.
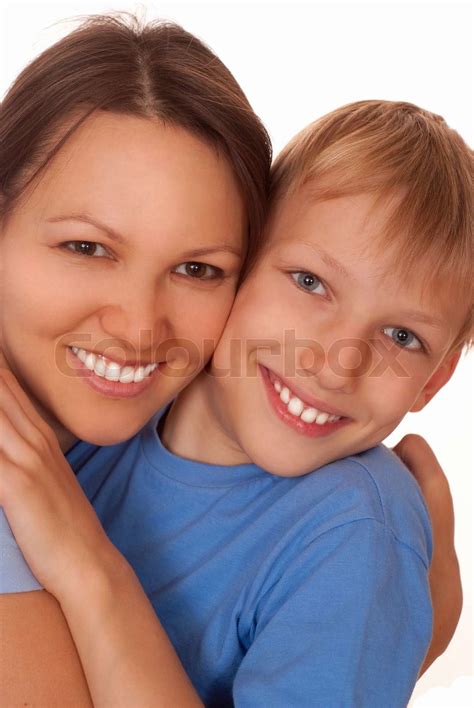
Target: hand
<point x="445" y="579"/>
<point x="119" y="639"/>
<point x="51" y="518"/>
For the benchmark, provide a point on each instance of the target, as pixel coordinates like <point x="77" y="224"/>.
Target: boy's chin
<point x="283" y="466"/>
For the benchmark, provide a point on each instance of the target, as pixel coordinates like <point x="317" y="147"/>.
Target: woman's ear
<point x="437" y="380"/>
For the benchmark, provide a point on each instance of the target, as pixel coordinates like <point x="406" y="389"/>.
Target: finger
<point x="12" y="383"/>
<point x="19" y="408"/>
<point x="416" y="453"/>
<point x="13" y="444"/>
<point x="17" y="418"/>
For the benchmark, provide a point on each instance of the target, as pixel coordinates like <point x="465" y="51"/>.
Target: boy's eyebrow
<point x="424" y="318"/>
<point x="116" y="236"/>
<point x="417" y="315"/>
<point x="329" y="260"/>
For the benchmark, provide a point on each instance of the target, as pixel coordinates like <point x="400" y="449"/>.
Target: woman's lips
<point x="112" y="389"/>
<point x="310" y="429"/>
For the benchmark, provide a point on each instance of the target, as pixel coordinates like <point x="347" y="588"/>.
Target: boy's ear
<point x="437" y="380"/>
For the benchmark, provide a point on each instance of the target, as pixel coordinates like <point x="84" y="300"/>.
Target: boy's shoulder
<point x="372" y="485"/>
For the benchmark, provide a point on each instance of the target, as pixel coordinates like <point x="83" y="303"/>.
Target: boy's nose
<point x="338" y="366"/>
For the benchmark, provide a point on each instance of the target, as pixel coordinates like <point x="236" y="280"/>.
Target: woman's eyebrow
<point x="87" y="219"/>
<point x="207" y="250"/>
<point x="114" y="235"/>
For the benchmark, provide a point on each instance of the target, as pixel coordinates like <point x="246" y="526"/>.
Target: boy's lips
<point x="306" y="397"/>
<point x="314" y="429"/>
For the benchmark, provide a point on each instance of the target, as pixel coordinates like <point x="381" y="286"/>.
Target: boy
<point x="278" y="587"/>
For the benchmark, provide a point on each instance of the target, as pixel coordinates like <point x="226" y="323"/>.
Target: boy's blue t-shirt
<point x="307" y="592"/>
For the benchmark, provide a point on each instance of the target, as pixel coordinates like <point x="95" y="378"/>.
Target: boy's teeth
<point x="297" y="408"/>
<point x="309" y="415"/>
<point x="322" y="418"/>
<point x="110" y="370"/>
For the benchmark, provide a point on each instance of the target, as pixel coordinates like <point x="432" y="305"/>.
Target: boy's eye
<point x="86" y="248"/>
<point x="199" y="271"/>
<point x="403" y="337"/>
<point x="308" y="281"/>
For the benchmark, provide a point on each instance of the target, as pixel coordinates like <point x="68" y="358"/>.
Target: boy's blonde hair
<point x="387" y="147"/>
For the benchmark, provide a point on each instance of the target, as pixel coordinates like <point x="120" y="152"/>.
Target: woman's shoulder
<point x="15" y="575"/>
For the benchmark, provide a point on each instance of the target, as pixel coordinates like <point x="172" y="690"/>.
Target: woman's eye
<point x="199" y="271"/>
<point x="403" y="337"/>
<point x="86" y="248"/>
<point x="308" y="281"/>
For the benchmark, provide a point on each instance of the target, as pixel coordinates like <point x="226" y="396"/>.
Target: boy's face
<point x="323" y="326"/>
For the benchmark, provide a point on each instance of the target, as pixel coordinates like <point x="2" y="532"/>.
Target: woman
<point x="139" y="138"/>
<point x="63" y="200"/>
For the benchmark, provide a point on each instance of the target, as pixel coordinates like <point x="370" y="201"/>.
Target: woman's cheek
<point x="207" y="318"/>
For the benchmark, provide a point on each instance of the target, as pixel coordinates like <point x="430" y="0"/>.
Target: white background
<point x="297" y="61"/>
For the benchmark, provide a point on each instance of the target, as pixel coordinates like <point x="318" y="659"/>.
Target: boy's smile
<point x="300" y="410"/>
<point x="326" y="348"/>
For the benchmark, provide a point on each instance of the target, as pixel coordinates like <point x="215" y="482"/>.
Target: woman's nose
<point x="138" y="319"/>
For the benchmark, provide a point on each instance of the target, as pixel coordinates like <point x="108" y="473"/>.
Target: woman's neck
<point x="196" y="429"/>
<point x="65" y="438"/>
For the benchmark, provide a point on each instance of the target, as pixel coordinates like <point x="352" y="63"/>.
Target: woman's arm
<point x="127" y="657"/>
<point x="444" y="576"/>
<point x="39" y="665"/>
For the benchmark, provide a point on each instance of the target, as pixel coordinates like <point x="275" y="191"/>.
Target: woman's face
<point x="126" y="254"/>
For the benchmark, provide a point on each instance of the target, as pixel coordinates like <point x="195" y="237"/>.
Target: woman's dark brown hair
<point x="157" y="71"/>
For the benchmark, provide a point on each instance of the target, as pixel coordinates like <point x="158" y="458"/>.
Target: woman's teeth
<point x="297" y="408"/>
<point x="110" y="370"/>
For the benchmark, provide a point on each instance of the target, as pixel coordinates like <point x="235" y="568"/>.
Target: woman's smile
<point x="108" y="377"/>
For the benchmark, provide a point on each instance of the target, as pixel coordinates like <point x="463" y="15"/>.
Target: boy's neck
<point x="196" y="429"/>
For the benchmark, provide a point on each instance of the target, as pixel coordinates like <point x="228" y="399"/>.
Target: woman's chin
<point x="107" y="435"/>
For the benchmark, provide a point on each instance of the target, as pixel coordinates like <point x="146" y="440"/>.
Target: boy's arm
<point x="444" y="575"/>
<point x="347" y="623"/>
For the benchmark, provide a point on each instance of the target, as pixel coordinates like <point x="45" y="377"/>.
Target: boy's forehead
<point x="349" y="222"/>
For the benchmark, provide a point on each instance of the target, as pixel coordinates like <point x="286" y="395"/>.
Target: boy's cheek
<point x="436" y="381"/>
